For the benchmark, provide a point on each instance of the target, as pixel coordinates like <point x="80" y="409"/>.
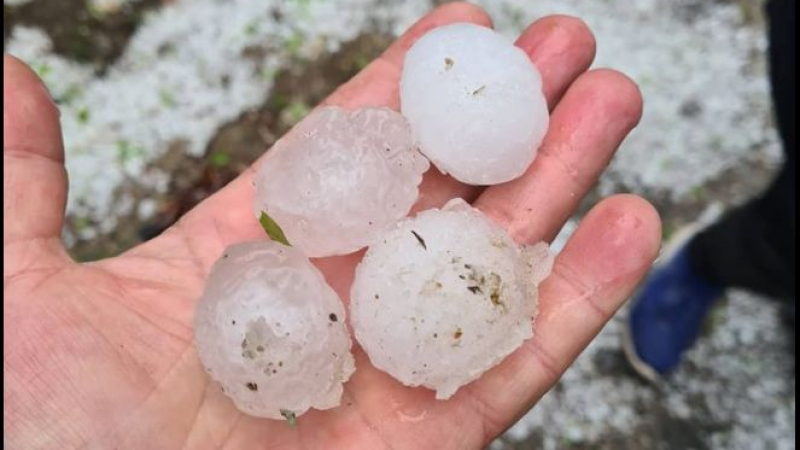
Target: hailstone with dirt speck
<point x="444" y="297"/>
<point x="271" y="331"/>
<point x="340" y="178"/>
<point x="474" y="102"/>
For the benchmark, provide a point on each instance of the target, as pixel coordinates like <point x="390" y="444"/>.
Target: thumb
<point x="34" y="177"/>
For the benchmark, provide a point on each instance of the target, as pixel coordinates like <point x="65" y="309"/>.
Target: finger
<point x="610" y="252"/>
<point x="34" y="178"/>
<point x="562" y="47"/>
<point x="586" y="128"/>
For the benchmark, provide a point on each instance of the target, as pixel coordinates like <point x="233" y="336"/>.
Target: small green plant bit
<point x="126" y="151"/>
<point x="83" y="115"/>
<point x="220" y="159"/>
<point x="290" y="417"/>
<point x="296" y="111"/>
<point x="273" y="230"/>
<point x="167" y="98"/>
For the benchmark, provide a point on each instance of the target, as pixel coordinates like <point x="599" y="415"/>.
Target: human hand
<point x="100" y="355"/>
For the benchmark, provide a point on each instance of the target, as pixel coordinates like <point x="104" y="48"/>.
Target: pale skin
<point x="100" y="355"/>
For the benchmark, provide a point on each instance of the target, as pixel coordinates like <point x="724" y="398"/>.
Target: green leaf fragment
<point x="71" y="94"/>
<point x="94" y="11"/>
<point x="220" y="159"/>
<point x="251" y="28"/>
<point x="83" y="115"/>
<point x="296" y="111"/>
<point x="273" y="230"/>
<point x="279" y="100"/>
<point x="167" y="98"/>
<point x="289" y="416"/>
<point x="360" y="61"/>
<point x="293" y="44"/>
<point x="126" y="151"/>
<point x="268" y="74"/>
<point x="80" y="223"/>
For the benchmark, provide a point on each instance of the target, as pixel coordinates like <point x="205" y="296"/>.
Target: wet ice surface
<point x="444" y="297"/>
<point x="339" y="179"/>
<point x="474" y="102"/>
<point x="271" y="331"/>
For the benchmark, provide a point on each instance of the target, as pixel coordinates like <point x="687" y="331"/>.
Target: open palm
<point x="100" y="355"/>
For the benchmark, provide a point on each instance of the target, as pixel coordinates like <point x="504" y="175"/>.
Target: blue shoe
<point x="667" y="314"/>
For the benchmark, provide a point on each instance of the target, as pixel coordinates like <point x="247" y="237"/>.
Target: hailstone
<point x="444" y="297"/>
<point x="271" y="331"/>
<point x="340" y="178"/>
<point x="474" y="102"/>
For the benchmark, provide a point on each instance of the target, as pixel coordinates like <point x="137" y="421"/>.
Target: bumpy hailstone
<point x="474" y="102"/>
<point x="340" y="178"/>
<point x="271" y="331"/>
<point x="444" y="297"/>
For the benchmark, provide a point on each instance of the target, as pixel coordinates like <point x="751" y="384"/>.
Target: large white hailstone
<point x="474" y="102"/>
<point x="271" y="331"/>
<point x="444" y="297"/>
<point x="340" y="178"/>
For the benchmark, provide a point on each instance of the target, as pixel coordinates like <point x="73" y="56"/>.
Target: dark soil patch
<point x="732" y="187"/>
<point x="613" y="363"/>
<point x="78" y="32"/>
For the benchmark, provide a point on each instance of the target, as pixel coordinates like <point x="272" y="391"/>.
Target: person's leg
<point x="751" y="247"/>
<point x="783" y="69"/>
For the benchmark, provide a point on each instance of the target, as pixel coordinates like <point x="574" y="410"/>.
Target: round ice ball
<point x="474" y="102"/>
<point x="340" y="178"/>
<point x="444" y="297"/>
<point x="271" y="331"/>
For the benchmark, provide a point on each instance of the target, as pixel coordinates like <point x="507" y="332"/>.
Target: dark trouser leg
<point x="753" y="246"/>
